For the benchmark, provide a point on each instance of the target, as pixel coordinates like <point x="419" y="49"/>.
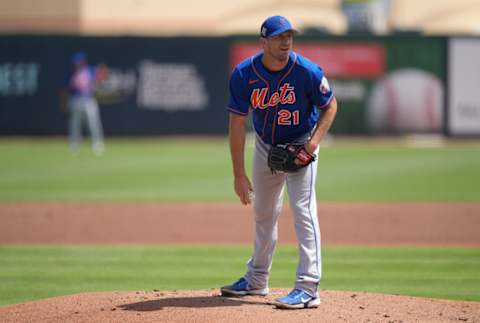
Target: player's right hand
<point x="244" y="189"/>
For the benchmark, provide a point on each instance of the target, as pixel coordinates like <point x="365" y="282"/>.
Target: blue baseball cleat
<point x="241" y="288"/>
<point x="297" y="299"/>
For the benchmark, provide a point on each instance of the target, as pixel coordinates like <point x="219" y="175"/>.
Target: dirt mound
<point x="207" y="306"/>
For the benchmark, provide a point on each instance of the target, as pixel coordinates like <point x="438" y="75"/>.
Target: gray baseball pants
<point x="267" y="205"/>
<point x="85" y="109"/>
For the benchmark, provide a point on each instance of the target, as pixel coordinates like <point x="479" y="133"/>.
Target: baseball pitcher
<point x="292" y="109"/>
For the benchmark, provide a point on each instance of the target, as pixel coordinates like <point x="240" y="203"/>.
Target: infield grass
<point x="189" y="169"/>
<point x="35" y="272"/>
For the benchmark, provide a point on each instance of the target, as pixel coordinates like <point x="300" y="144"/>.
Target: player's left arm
<point x="323" y="125"/>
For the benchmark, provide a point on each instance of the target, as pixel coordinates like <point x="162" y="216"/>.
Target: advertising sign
<point x="464" y="82"/>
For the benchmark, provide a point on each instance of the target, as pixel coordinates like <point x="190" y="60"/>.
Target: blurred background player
<point x="78" y="98"/>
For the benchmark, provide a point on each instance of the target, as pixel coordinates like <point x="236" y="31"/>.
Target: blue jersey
<point x="285" y="104"/>
<point x="81" y="82"/>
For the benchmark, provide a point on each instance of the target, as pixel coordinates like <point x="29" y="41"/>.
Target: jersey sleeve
<point x="322" y="93"/>
<point x="239" y="102"/>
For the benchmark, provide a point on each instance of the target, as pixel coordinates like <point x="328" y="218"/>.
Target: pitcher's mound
<point x="207" y="306"/>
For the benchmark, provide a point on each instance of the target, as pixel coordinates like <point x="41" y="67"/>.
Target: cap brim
<point x="278" y="32"/>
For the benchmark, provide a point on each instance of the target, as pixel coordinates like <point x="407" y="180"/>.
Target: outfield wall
<point x="155" y="86"/>
<point x="179" y="85"/>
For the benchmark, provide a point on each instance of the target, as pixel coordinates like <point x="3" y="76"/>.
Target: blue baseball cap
<point x="275" y="25"/>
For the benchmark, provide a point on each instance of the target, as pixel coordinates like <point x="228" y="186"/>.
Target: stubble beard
<point x="282" y="55"/>
<point x="277" y="56"/>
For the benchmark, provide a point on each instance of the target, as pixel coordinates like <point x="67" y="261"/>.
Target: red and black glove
<point x="289" y="158"/>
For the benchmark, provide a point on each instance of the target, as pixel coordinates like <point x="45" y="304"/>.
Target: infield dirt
<point x="383" y="224"/>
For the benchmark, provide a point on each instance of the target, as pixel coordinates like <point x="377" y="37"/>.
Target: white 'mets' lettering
<point x="285" y="95"/>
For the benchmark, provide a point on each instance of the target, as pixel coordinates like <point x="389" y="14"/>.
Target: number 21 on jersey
<point x="287" y="118"/>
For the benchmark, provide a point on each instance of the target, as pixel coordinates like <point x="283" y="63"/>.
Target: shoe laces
<point x="239" y="282"/>
<point x="295" y="293"/>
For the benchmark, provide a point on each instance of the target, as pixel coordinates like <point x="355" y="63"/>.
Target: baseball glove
<point x="282" y="158"/>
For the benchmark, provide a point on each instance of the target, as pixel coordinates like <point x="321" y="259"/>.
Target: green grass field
<point x="200" y="170"/>
<point x="169" y="170"/>
<point x="42" y="271"/>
